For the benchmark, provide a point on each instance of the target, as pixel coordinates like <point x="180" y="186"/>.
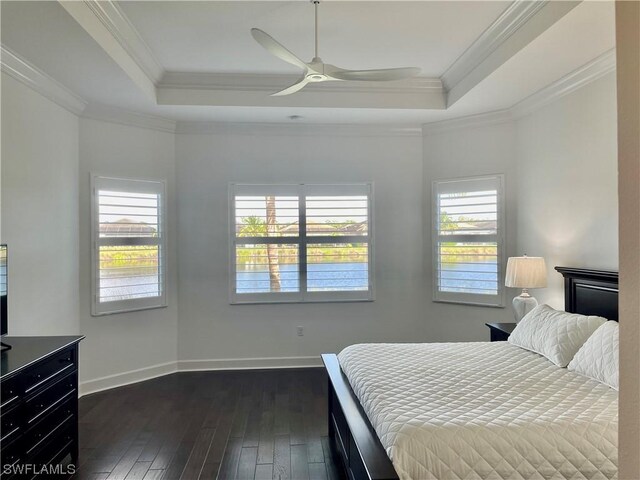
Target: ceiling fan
<point x="318" y="71"/>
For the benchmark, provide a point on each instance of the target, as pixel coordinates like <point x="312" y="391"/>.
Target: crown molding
<point x="575" y="80"/>
<point x="590" y="72"/>
<point x="471" y="121"/>
<point x="578" y="78"/>
<point x="230" y="89"/>
<point x="31" y="76"/>
<point x="298" y="129"/>
<point x="106" y="113"/>
<point x="110" y="29"/>
<point x="515" y="15"/>
<point x="517" y="26"/>
<point x="269" y="82"/>
<point x="119" y="25"/>
<point x="108" y="25"/>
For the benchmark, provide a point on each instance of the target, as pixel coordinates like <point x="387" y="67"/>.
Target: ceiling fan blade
<point x="292" y="89"/>
<point x="382" y="75"/>
<point x="275" y="48"/>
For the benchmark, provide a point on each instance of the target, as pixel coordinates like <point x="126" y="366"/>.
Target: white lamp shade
<point x="526" y="272"/>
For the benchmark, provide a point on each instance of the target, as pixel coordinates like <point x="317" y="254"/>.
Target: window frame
<point x="137" y="185"/>
<point x="466" y="298"/>
<point x="301" y="190"/>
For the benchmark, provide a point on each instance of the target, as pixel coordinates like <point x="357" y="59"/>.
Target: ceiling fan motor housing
<point x="317" y="71"/>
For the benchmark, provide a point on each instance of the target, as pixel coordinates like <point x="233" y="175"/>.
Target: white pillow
<point x="598" y="357"/>
<point x="554" y="334"/>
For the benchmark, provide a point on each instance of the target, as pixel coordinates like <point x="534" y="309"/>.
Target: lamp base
<point x="523" y="304"/>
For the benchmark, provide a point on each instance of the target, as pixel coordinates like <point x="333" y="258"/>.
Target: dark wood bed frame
<point x="353" y="439"/>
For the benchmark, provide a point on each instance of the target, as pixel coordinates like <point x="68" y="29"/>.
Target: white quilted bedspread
<point x="483" y="411"/>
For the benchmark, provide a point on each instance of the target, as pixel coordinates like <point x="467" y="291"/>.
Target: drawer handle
<point x="9" y="425"/>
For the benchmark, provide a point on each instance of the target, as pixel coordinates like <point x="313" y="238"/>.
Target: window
<point x="468" y="240"/>
<point x="300" y="243"/>
<point x="128" y="245"/>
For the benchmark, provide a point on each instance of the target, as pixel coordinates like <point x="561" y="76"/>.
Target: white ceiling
<point x="44" y="34"/>
<point x="582" y="35"/>
<point x="214" y="37"/>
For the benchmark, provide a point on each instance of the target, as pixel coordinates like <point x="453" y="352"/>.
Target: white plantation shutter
<point x="128" y="245"/>
<point x="468" y="240"/>
<point x="265" y="247"/>
<point x="300" y="243"/>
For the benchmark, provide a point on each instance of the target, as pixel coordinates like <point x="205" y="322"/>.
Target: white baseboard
<point x="154" y="371"/>
<point x="126" y="378"/>
<point x="249" y="363"/>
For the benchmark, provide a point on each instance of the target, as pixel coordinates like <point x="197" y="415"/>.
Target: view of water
<point x="113" y="289"/>
<point x="480" y="277"/>
<point x="3" y="279"/>
<point x="320" y="277"/>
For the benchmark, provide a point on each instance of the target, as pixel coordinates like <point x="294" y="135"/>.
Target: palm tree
<point x="253" y="227"/>
<point x="272" y="249"/>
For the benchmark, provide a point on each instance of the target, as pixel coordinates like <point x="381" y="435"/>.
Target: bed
<point x="498" y="411"/>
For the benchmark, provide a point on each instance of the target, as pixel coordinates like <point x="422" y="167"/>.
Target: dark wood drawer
<point x="10" y="424"/>
<point x="50" y="452"/>
<point x="10" y="392"/>
<point x="49" y="370"/>
<point x="50" y="398"/>
<point x="10" y="457"/>
<point x="340" y="421"/>
<point x="49" y="427"/>
<point x="62" y="447"/>
<point x="356" y="465"/>
<point x="46" y="458"/>
<point x="39" y="414"/>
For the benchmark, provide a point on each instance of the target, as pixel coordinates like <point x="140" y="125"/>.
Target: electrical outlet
<point x="300" y="331"/>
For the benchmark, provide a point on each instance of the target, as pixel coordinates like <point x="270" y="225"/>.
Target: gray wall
<point x="40" y="211"/>
<point x="125" y="342"/>
<point x="211" y="329"/>
<point x="567" y="190"/>
<point x="464" y="152"/>
<point x="559" y="166"/>
<point x="560" y="171"/>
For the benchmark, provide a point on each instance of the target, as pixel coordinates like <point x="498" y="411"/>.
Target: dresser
<point x="39" y="405"/>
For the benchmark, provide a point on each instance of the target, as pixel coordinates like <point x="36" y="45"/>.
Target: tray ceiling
<point x="196" y="61"/>
<point x="214" y="36"/>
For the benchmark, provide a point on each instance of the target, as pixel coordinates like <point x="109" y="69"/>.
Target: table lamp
<point x="525" y="273"/>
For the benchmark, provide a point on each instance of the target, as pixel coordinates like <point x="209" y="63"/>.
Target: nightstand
<point x="500" y="331"/>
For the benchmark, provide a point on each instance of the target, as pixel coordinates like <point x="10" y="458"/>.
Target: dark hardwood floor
<point x="262" y="424"/>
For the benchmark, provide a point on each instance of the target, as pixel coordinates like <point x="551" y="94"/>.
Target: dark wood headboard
<point x="590" y="292"/>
